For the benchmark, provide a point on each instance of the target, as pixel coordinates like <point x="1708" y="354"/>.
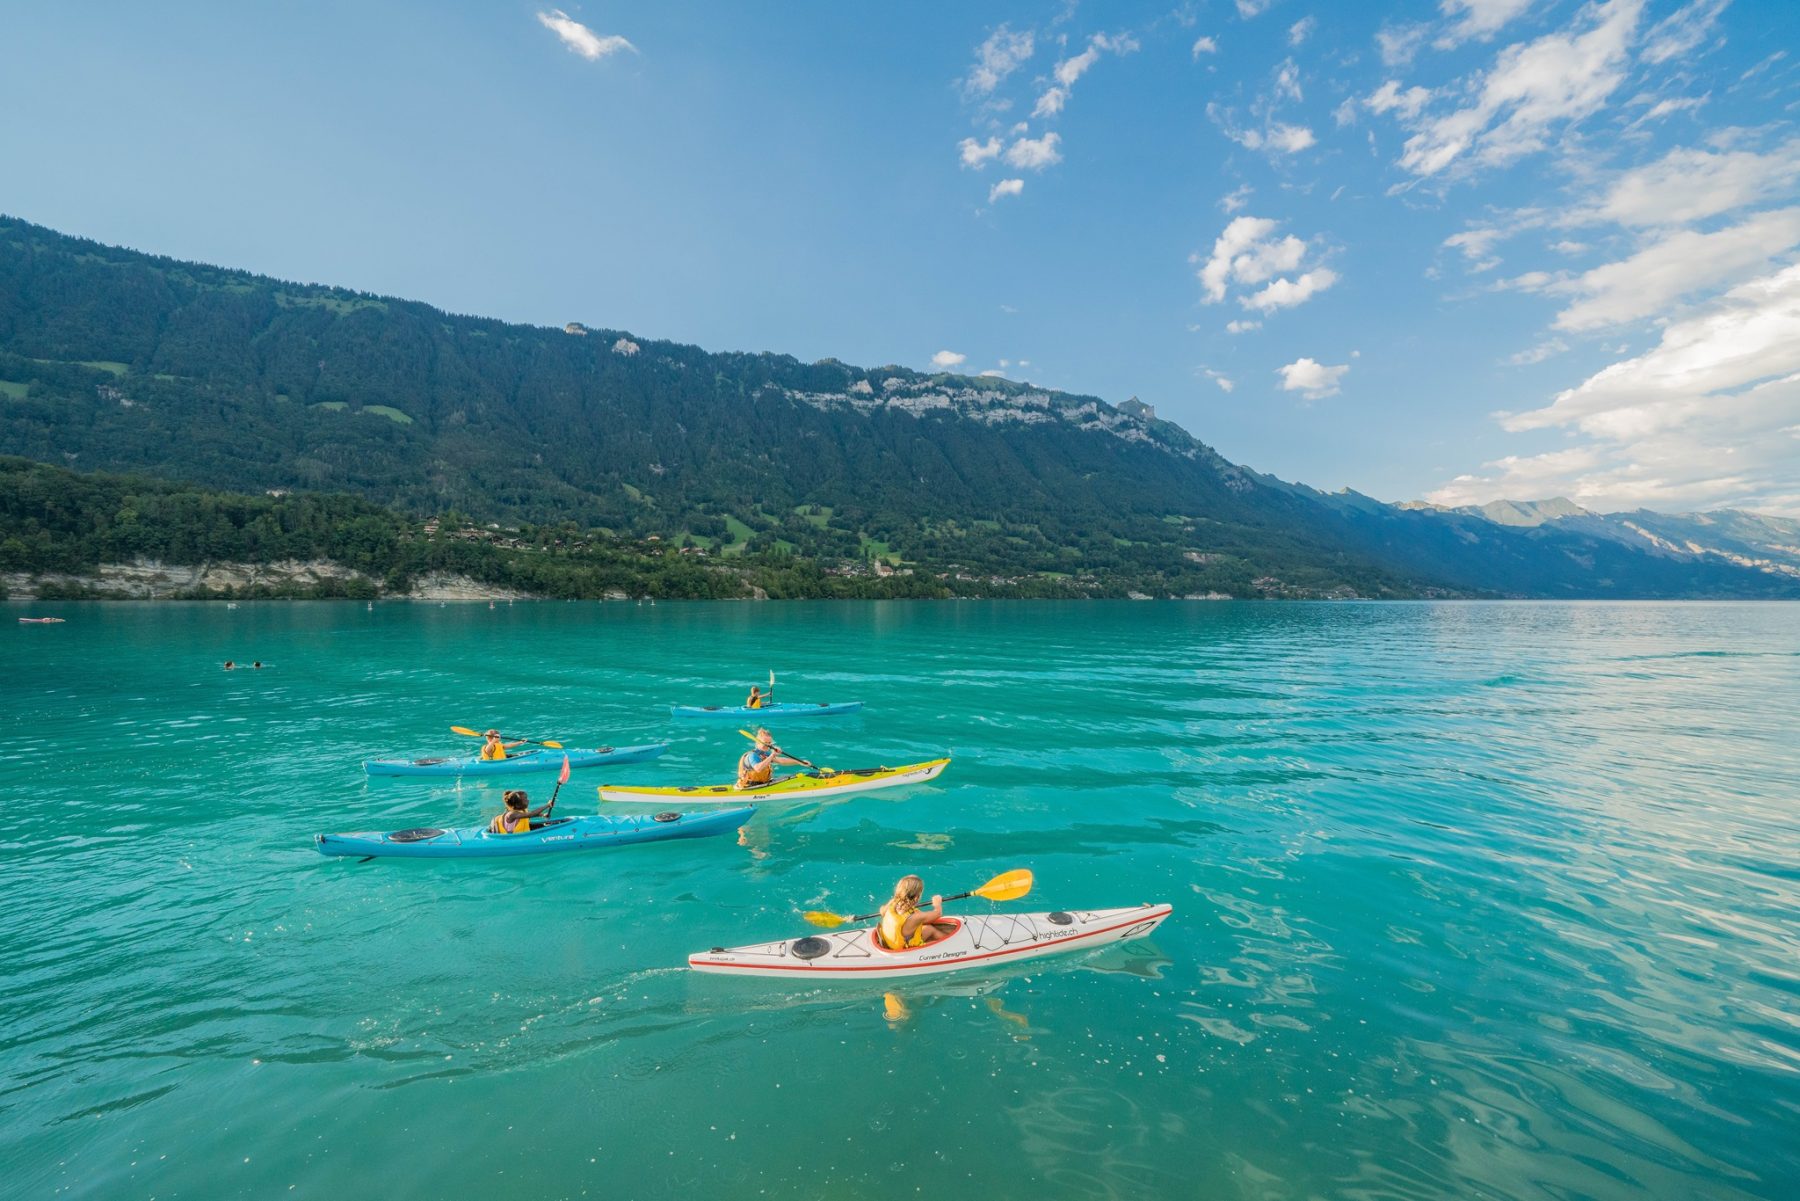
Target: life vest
<point x="522" y="824"/>
<point x="755" y="702"/>
<point x="893" y="930"/>
<point x="493" y="751"/>
<point x="755" y="771"/>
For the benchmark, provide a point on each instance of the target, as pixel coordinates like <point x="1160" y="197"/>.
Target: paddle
<point x="824" y="772"/>
<point x="1007" y="886"/>
<point x="466" y="732"/>
<point x="560" y="781"/>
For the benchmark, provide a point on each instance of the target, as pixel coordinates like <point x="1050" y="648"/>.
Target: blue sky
<point x="1463" y="250"/>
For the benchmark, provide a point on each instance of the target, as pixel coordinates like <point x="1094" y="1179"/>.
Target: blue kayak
<point x="780" y="709"/>
<point x="536" y="759"/>
<point x="557" y="834"/>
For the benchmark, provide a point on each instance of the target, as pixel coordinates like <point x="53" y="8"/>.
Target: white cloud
<point x="1533" y="88"/>
<point x="1301" y="29"/>
<point x="1710" y="416"/>
<point x="1388" y="98"/>
<point x="1236" y="199"/>
<point x="1477" y="245"/>
<point x="999" y="56"/>
<point x="1226" y="384"/>
<point x="580" y="39"/>
<point x="1287" y="81"/>
<point x="1690" y="185"/>
<point x="1668" y="107"/>
<point x="1345" y="113"/>
<point x="976" y="154"/>
<point x="1653" y="279"/>
<point x="993" y="373"/>
<point x="1245" y="252"/>
<point x="946" y="359"/>
<point x="1253" y="8"/>
<point x="1313" y="380"/>
<point x="1289" y="139"/>
<point x="1398" y="44"/>
<point x="1034" y="154"/>
<point x="1681" y="31"/>
<point x="1567" y="247"/>
<point x="1248" y="252"/>
<point x="1051" y="102"/>
<point x="1070" y="69"/>
<point x="1480" y="19"/>
<point x="1538" y="353"/>
<point x="1205" y="46"/>
<point x="1241" y="327"/>
<point x="1286" y="293"/>
<point x="1006" y="187"/>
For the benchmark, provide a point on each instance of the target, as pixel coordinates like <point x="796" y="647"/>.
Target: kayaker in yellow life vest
<point x="757" y="765"/>
<point x="517" y="817"/>
<point x="904" y="924"/>
<point x="756" y="698"/>
<point x="493" y="748"/>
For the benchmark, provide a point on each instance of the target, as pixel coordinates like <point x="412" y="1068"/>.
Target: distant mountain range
<point x="111" y="359"/>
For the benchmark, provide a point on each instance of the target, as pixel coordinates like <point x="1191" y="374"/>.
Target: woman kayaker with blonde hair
<point x="904" y="924"/>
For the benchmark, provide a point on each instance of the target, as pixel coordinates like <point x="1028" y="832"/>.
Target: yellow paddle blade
<point x="1008" y="886"/>
<point x="465" y="731"/>
<point x="830" y="921"/>
<point x="555" y="746"/>
<point x="748" y="734"/>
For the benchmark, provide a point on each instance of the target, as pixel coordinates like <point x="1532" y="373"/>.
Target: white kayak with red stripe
<point x="986" y="940"/>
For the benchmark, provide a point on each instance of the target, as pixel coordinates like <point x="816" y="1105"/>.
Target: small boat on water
<point x="516" y="764"/>
<point x="982" y="940"/>
<point x="805" y="785"/>
<point x="41" y="621"/>
<point x="557" y="834"/>
<point x="773" y="710"/>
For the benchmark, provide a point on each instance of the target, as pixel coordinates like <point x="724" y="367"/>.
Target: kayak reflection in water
<point x="904" y="924"/>
<point x="756" y="698"/>
<point x="757" y="765"/>
<point x="493" y="748"/>
<point x="517" y="818"/>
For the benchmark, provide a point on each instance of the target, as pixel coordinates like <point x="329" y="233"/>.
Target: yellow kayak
<point x="805" y="785"/>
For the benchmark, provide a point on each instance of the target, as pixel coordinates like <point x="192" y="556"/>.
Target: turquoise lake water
<point x="1470" y="900"/>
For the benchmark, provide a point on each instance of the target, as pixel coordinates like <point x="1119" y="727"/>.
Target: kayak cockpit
<point x="955" y="924"/>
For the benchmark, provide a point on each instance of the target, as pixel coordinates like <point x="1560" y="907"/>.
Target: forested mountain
<point x="120" y="361"/>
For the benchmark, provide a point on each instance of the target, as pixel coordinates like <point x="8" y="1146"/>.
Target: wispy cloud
<point x="1682" y="31"/>
<point x="999" y="56"/>
<point x="1069" y="70"/>
<point x="1006" y="187"/>
<point x="1480" y="19"/>
<point x="1302" y="29"/>
<point x="1533" y="88"/>
<point x="580" y="39"/>
<point x="1205" y="46"/>
<point x="1709" y="416"/>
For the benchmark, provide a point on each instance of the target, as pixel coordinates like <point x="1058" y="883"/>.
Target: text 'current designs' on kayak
<point x="774" y="709"/>
<point x="805" y="785"/>
<point x="517" y="764"/>
<point x="988" y="940"/>
<point x="558" y="834"/>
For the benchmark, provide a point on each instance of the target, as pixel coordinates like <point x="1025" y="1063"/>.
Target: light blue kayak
<point x="780" y="709"/>
<point x="536" y="759"/>
<point x="557" y="834"/>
